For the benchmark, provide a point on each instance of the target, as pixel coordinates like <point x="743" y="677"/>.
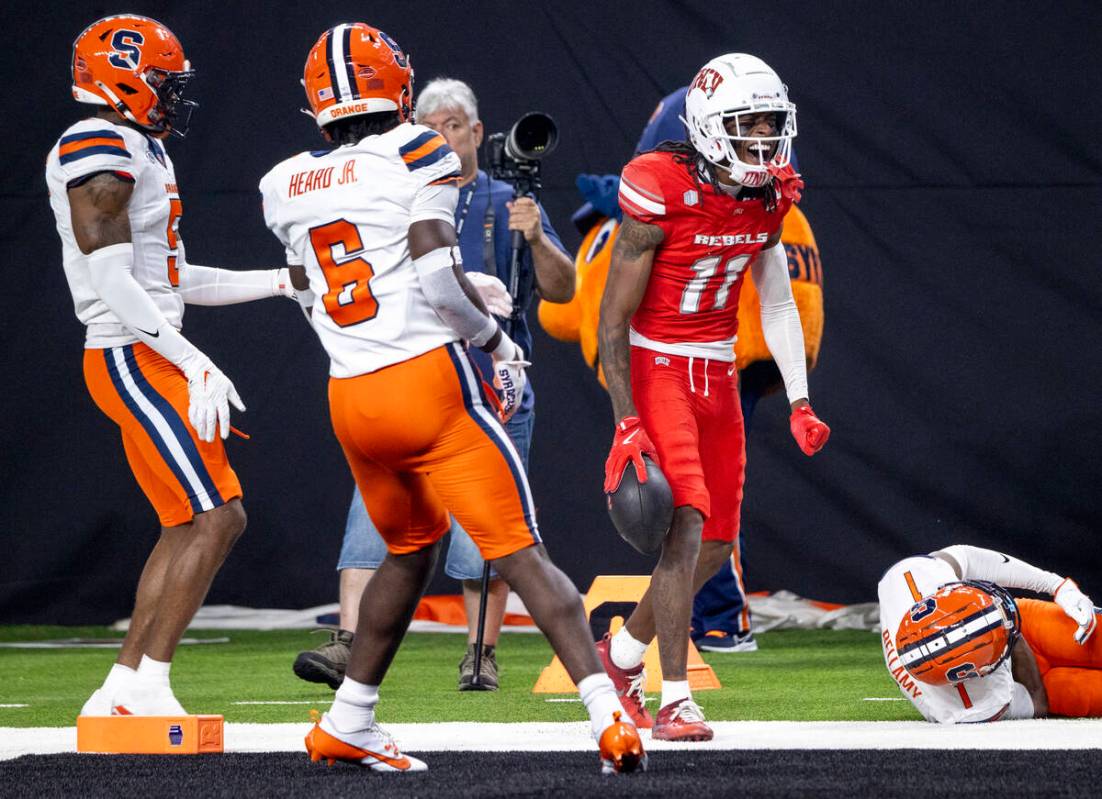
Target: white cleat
<point x="372" y="748"/>
<point x="146" y="701"/>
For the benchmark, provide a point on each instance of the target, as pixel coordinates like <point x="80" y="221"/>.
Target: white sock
<point x="674" y="691"/>
<point x="354" y="706"/>
<point x="120" y="676"/>
<point x="599" y="697"/>
<point x="153" y="672"/>
<point x="625" y="651"/>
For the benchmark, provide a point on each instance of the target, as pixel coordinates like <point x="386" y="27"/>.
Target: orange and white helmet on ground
<point x="357" y="69"/>
<point x="962" y="630"/>
<point x="137" y="66"/>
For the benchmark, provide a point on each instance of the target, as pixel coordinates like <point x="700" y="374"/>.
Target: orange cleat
<point x="628" y="684"/>
<point x="621" y="749"/>
<point x="681" y="721"/>
<point x="372" y="748"/>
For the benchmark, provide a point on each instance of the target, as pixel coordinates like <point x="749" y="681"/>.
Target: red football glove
<point x="629" y="444"/>
<point x="789" y="183"/>
<point x="809" y="431"/>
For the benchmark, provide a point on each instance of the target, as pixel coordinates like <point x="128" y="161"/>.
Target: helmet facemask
<point x="172" y="112"/>
<point x="715" y="141"/>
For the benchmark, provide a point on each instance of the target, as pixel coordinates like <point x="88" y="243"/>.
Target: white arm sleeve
<point x="436" y="271"/>
<point x="975" y="563"/>
<point x="206" y="285"/>
<point x="780" y="319"/>
<point x="110" y="271"/>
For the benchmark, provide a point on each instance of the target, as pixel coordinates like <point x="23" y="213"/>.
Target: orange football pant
<point x="147" y="397"/>
<point x="423" y="440"/>
<point x="1072" y="674"/>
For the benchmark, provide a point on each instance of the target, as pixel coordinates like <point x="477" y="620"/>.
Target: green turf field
<point x="796" y="675"/>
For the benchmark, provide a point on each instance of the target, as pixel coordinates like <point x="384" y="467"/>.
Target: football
<point x="642" y="512"/>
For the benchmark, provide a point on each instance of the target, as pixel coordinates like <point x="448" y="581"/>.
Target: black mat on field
<point x="675" y="775"/>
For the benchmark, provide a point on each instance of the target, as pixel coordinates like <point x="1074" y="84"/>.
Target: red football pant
<point x="690" y="409"/>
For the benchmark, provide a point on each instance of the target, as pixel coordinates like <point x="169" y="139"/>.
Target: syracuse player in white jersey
<point x="960" y="647"/>
<point x="369" y="226"/>
<point x="114" y="195"/>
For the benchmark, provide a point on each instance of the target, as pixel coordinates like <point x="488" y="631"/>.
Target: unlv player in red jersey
<point x="695" y="217"/>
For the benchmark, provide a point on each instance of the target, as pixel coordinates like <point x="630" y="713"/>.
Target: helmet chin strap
<point x="117" y="104"/>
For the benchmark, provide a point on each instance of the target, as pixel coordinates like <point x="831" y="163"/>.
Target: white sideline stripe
<point x="281" y="702"/>
<point x="16" y="704"/>
<point x="470" y="736"/>
<point x="884" y="699"/>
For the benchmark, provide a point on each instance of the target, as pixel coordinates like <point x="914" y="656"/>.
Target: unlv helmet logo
<point x="707" y="80"/>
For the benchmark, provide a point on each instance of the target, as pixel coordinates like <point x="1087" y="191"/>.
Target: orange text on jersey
<point x="314" y="179"/>
<point x="171" y="188"/>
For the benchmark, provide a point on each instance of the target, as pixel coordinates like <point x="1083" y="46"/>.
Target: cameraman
<point x="484" y="217"/>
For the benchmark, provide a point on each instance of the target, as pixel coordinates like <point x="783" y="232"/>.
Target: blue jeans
<point x="364" y="548"/>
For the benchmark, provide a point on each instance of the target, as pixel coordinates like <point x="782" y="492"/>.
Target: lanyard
<point x="463" y="212"/>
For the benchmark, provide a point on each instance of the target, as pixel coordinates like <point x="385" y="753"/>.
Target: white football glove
<point x="209" y="396"/>
<point x="1078" y="607"/>
<point x="510" y="380"/>
<point x="281" y="284"/>
<point x="493" y="293"/>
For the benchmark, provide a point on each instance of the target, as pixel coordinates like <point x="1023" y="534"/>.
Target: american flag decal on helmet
<point x="325" y="93"/>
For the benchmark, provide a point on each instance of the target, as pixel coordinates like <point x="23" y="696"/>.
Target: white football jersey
<point x="976" y="699"/>
<point x="344" y="215"/>
<point x="97" y="145"/>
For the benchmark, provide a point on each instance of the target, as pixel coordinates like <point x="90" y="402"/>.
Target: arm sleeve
<point x="110" y="273"/>
<point x="975" y="563"/>
<point x="780" y="320"/>
<point x="207" y="285"/>
<point x="436" y="272"/>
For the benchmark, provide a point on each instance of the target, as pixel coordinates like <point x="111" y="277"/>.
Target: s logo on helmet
<point x="961" y="672"/>
<point x="399" y="57"/>
<point x="707" y="80"/>
<point x="127" y="55"/>
<point x="923" y="609"/>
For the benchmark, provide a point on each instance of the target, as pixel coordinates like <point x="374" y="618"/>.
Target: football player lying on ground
<point x="369" y="230"/>
<point x="962" y="649"/>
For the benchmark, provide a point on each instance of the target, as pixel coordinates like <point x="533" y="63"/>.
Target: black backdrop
<point x="952" y="157"/>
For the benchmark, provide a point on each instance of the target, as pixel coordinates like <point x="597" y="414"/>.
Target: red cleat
<point x="621" y="749"/>
<point x="681" y="721"/>
<point x="628" y="684"/>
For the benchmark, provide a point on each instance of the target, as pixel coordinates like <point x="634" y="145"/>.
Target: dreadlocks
<point x="700" y="167"/>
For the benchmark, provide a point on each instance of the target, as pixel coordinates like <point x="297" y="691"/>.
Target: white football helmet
<point x="730" y="87"/>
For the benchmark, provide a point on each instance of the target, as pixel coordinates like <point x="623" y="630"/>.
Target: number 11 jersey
<point x="690" y="307"/>
<point x="344" y="215"/>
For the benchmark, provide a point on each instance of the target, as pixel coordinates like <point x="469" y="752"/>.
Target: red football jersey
<point x="710" y="239"/>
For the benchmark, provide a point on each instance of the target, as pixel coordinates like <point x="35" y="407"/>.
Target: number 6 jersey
<point x="86" y="149"/>
<point x="690" y="306"/>
<point x="344" y="215"/>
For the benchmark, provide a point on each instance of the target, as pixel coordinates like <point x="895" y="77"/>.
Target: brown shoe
<point x="487" y="680"/>
<point x="326" y="663"/>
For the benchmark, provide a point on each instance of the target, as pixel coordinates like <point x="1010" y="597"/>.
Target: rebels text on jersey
<point x="344" y="215"/>
<point x="691" y="302"/>
<point x="96" y="145"/>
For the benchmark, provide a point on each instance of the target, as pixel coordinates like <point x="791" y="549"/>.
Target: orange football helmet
<point x="962" y="630"/>
<point x="357" y="69"/>
<point x="137" y="66"/>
